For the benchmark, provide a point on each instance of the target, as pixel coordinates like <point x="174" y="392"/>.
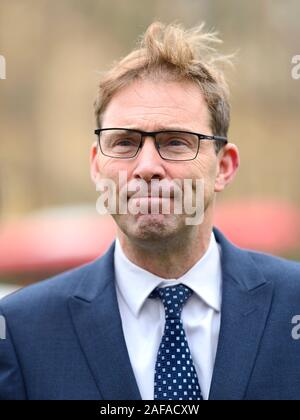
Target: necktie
<point x="175" y="374"/>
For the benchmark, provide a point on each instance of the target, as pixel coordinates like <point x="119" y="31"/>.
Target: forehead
<point x="150" y="105"/>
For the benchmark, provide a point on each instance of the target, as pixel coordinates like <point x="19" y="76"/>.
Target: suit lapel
<point x="246" y="303"/>
<point x="97" y="322"/>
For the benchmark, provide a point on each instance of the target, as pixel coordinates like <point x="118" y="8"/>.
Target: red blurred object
<point x="264" y="225"/>
<point x="53" y="243"/>
<point x="56" y="241"/>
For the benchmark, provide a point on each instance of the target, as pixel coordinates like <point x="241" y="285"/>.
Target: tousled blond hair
<point x="171" y="53"/>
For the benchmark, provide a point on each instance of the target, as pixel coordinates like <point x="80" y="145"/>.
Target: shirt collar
<point x="205" y="278"/>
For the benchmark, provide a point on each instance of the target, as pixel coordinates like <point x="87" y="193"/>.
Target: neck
<point x="169" y="259"/>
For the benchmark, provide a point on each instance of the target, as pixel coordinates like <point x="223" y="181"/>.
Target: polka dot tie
<point x="175" y="374"/>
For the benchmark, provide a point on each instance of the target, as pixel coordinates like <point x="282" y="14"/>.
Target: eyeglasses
<point x="123" y="143"/>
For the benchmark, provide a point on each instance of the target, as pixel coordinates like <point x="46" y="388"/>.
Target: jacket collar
<point x="97" y="322"/>
<point x="246" y="303"/>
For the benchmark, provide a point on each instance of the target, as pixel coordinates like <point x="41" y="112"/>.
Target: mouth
<point x="149" y="197"/>
<point x="148" y="206"/>
<point x="161" y="195"/>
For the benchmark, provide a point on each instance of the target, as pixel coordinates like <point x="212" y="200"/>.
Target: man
<point x="173" y="311"/>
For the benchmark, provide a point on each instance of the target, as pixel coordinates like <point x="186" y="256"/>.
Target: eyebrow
<point x="160" y="128"/>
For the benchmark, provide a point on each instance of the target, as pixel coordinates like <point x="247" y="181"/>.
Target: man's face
<point x="152" y="106"/>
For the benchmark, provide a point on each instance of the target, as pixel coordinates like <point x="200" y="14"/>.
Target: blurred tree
<point x="54" y="51"/>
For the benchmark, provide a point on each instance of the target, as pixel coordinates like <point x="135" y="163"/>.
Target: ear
<point x="228" y="164"/>
<point x="94" y="163"/>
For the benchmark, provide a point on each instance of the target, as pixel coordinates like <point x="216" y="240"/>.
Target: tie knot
<point x="173" y="299"/>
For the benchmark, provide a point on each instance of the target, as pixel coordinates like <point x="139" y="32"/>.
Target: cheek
<point x="117" y="171"/>
<point x="110" y="168"/>
<point x="204" y="167"/>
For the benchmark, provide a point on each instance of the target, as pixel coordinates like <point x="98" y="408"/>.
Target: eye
<point x="176" y="142"/>
<point x="124" y="143"/>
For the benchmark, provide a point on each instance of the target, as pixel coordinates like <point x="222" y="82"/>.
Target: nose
<point x="149" y="164"/>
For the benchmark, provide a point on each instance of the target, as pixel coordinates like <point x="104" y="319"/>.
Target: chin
<point x="153" y="227"/>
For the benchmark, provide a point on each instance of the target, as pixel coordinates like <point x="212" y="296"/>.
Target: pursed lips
<point x="160" y="194"/>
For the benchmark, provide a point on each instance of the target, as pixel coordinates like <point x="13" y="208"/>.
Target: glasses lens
<point x="120" y="143"/>
<point x="177" y="145"/>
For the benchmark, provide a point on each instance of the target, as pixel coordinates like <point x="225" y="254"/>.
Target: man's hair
<point x="171" y="53"/>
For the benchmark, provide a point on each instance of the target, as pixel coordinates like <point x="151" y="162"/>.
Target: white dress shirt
<point x="143" y="319"/>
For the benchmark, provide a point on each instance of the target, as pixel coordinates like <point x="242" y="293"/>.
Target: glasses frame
<point x="153" y="134"/>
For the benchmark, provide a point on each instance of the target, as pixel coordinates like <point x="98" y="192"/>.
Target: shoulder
<point x="50" y="293"/>
<point x="283" y="273"/>
<point x="47" y="300"/>
<point x="275" y="266"/>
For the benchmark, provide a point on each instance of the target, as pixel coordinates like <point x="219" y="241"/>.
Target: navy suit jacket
<point x="65" y="338"/>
